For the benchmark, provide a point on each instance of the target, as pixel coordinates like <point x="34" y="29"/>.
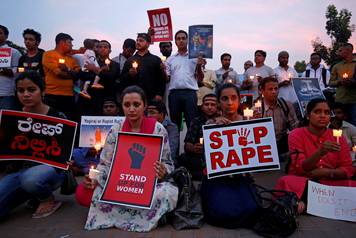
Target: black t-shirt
<point x="33" y="63"/>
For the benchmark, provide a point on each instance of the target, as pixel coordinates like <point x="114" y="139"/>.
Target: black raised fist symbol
<point x="137" y="153"/>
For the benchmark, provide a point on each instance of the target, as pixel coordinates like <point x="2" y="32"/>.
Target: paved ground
<point x="68" y="222"/>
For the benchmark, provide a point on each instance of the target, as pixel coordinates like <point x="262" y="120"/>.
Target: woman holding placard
<point x="104" y="215"/>
<point x="317" y="153"/>
<point x="29" y="180"/>
<point x="229" y="201"/>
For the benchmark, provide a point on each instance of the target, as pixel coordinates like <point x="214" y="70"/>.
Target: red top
<point x="303" y="141"/>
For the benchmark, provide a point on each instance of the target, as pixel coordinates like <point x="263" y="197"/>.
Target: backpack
<point x="323" y="75"/>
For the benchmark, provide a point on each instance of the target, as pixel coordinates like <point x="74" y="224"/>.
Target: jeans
<point x="182" y="100"/>
<point x="36" y="182"/>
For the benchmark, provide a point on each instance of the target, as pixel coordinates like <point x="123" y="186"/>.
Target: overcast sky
<point x="240" y="27"/>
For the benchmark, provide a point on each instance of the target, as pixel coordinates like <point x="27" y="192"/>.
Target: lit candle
<point x="134" y="65"/>
<point x="93" y="173"/>
<point x="229" y="80"/>
<point x="289" y="76"/>
<point x="97" y="146"/>
<point x="201" y="140"/>
<point x="354" y="148"/>
<point x="61" y="61"/>
<point x="345" y="76"/>
<point x="163" y="58"/>
<point x="258" y="105"/>
<point x="337" y="134"/>
<point x="107" y="62"/>
<point x="248" y="113"/>
<point x="252" y="77"/>
<point x="21" y="69"/>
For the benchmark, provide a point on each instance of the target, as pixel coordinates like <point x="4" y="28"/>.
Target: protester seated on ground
<point x="156" y="109"/>
<point x="316" y="155"/>
<point x="348" y="130"/>
<point x="193" y="159"/>
<point x="102" y="215"/>
<point x="30" y="180"/>
<point x="86" y="157"/>
<point x="282" y="112"/>
<point x="228" y="200"/>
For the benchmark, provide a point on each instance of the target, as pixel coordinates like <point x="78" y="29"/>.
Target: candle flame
<point x="107" y="61"/>
<point x="345" y="76"/>
<point x="61" y="61"/>
<point x="134" y="64"/>
<point x="21" y="69"/>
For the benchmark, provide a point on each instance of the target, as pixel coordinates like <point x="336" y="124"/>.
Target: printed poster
<point x="94" y="129"/>
<point x="5" y="57"/>
<point x="132" y="177"/>
<point x="240" y="147"/>
<point x="306" y="89"/>
<point x="161" y="23"/>
<point x="201" y="41"/>
<point x="38" y="138"/>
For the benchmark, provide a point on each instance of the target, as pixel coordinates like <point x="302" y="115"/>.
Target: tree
<point x="300" y="66"/>
<point x="339" y="29"/>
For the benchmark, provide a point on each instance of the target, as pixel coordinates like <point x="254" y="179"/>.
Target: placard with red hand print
<point x="132" y="177"/>
<point x="38" y="138"/>
<point x="240" y="147"/>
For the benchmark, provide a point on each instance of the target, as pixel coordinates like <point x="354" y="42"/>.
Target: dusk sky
<point x="240" y="27"/>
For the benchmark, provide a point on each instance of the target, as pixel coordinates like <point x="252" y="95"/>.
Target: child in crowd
<point x="90" y="58"/>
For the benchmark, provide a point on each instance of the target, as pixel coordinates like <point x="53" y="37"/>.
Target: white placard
<point x="333" y="202"/>
<point x="5" y="57"/>
<point x="240" y="147"/>
<point x="94" y="129"/>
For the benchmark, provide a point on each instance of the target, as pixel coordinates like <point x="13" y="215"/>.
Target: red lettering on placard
<point x="217" y="158"/>
<point x="247" y="153"/>
<point x="229" y="135"/>
<point x="215" y="138"/>
<point x="264" y="151"/>
<point x="233" y="158"/>
<point x="258" y="133"/>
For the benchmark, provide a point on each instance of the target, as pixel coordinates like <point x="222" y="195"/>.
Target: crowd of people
<point x="137" y="85"/>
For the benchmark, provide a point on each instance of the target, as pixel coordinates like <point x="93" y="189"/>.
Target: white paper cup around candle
<point x="61" y="61"/>
<point x="201" y="140"/>
<point x="337" y="134"/>
<point x="21" y="69"/>
<point x="248" y="113"/>
<point x="93" y="173"/>
<point x="134" y="65"/>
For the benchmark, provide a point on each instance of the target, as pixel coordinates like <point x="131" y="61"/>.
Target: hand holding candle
<point x="21" y="69"/>
<point x="248" y="113"/>
<point x="337" y="134"/>
<point x="354" y="148"/>
<point x="61" y="61"/>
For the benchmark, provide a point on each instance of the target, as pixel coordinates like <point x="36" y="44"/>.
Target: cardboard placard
<point x="37" y="138"/>
<point x="132" y="177"/>
<point x="240" y="147"/>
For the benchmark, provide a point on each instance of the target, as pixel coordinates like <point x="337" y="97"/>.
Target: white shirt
<point x="263" y="71"/>
<point x="286" y="92"/>
<point x="318" y="74"/>
<point x="181" y="69"/>
<point x="7" y="84"/>
<point x="232" y="75"/>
